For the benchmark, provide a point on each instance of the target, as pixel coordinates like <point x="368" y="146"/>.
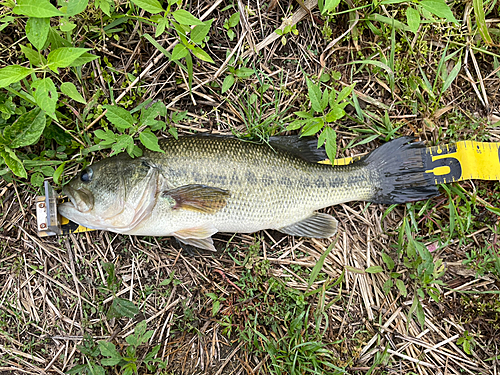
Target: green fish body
<point x="202" y="185"/>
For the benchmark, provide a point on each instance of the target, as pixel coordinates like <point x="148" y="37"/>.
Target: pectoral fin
<point x="199" y="198"/>
<point x="197" y="236"/>
<point x="318" y="225"/>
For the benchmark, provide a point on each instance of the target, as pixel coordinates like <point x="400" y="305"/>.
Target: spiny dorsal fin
<point x="317" y="225"/>
<point x="303" y="147"/>
<point x="199" y="198"/>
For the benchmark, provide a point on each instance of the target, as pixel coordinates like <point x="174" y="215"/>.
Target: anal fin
<point x="200" y="236"/>
<point x="318" y="225"/>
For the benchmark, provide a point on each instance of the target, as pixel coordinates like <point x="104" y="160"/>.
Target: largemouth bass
<point x="201" y="185"/>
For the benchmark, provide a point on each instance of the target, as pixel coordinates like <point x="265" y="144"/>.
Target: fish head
<point x="114" y="194"/>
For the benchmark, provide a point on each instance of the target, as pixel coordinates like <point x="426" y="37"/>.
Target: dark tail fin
<point x="399" y="168"/>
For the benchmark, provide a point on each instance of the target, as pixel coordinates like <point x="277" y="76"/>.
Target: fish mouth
<point x="80" y="199"/>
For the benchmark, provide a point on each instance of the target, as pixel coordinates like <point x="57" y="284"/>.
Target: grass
<point x="408" y="289"/>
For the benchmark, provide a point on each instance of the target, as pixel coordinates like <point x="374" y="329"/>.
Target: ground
<point x="399" y="289"/>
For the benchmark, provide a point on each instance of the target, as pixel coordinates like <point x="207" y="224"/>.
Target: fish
<point x="200" y="185"/>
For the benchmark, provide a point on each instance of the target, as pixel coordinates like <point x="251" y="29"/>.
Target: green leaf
<point x="336" y="113"/>
<point x="234" y="20"/>
<point x="64" y="56"/>
<point x="451" y="77"/>
<point x="374" y="269"/>
<point x="160" y="28"/>
<point x="151" y="6"/>
<point x="346" y="91"/>
<point x="35" y="58"/>
<point x="45" y="94"/>
<point x="228" y="83"/>
<point x="314" y="93"/>
<point x="330" y="5"/>
<point x="324" y="100"/>
<point x="180" y="51"/>
<point x="481" y="21"/>
<point x="76" y="6"/>
<point x="104" y="5"/>
<point x="330" y="142"/>
<point x="108" y="137"/>
<point x="110" y="361"/>
<point x="123" y="141"/>
<point x="58" y="173"/>
<point x="312" y="127"/>
<point x="150" y="140"/>
<point x="124" y="307"/>
<point x="388" y="261"/>
<point x="149" y="115"/>
<point x="401" y="287"/>
<point x="69" y="89"/>
<point x="199" y="32"/>
<point x="37" y="179"/>
<point x="185" y="18"/>
<point x="244" y="72"/>
<point x="108" y="349"/>
<point x="83" y="59"/>
<point x="303" y="114"/>
<point x="37" y="31"/>
<point x="27" y="129"/>
<point x="202" y="55"/>
<point x="13" y="162"/>
<point x="439" y="8"/>
<point x="13" y="73"/>
<point x="36" y="8"/>
<point x="319" y="265"/>
<point x="65" y="25"/>
<point x="413" y="19"/>
<point x="294" y="125"/>
<point x="119" y="117"/>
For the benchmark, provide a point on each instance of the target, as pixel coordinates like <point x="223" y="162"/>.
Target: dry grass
<point x="55" y="291"/>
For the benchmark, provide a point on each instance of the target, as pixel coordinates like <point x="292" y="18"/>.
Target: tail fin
<point x="398" y="167"/>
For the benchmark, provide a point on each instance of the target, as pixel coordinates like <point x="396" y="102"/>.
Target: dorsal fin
<point x="304" y="147"/>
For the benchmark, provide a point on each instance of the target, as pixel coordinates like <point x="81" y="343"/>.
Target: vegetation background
<point x="407" y="289"/>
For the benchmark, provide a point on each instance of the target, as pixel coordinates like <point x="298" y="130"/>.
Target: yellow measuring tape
<point x="466" y="160"/>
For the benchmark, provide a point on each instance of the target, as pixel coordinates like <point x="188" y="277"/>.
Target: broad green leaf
<point x="388" y="261"/>
<point x="119" y="117"/>
<point x="108" y="349"/>
<point x="76" y="6"/>
<point x="374" y="269"/>
<point x="294" y="125"/>
<point x="312" y="127"/>
<point x="234" y="20"/>
<point x="336" y="113"/>
<point x="83" y="59"/>
<point x="388" y="21"/>
<point x="45" y="94"/>
<point x="108" y="137"/>
<point x="413" y="19"/>
<point x="150" y="141"/>
<point x="185" y="18"/>
<point x="346" y="91"/>
<point x="110" y="361"/>
<point x="151" y="6"/>
<point x="330" y="142"/>
<point x="401" y="287"/>
<point x="451" y="77"/>
<point x="69" y="89"/>
<point x="199" y="32"/>
<point x="123" y="141"/>
<point x="13" y="162"/>
<point x="37" y="179"/>
<point x="314" y="93"/>
<point x="27" y="129"/>
<point x="324" y="100"/>
<point x="481" y="21"/>
<point x="244" y="72"/>
<point x="13" y="73"/>
<point x="179" y="51"/>
<point x="160" y="28"/>
<point x="104" y="5"/>
<point x="124" y="307"/>
<point x="303" y="114"/>
<point x="36" y="8"/>
<point x="56" y="40"/>
<point x="58" y="173"/>
<point x="66" y="25"/>
<point x="37" y="31"/>
<point x="202" y="55"/>
<point x="330" y="5"/>
<point x="440" y="9"/>
<point x="33" y="56"/>
<point x="228" y="83"/>
<point x="64" y="56"/>
<point x="149" y="115"/>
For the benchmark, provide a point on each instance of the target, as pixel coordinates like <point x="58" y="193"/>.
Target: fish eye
<point x="86" y="175"/>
